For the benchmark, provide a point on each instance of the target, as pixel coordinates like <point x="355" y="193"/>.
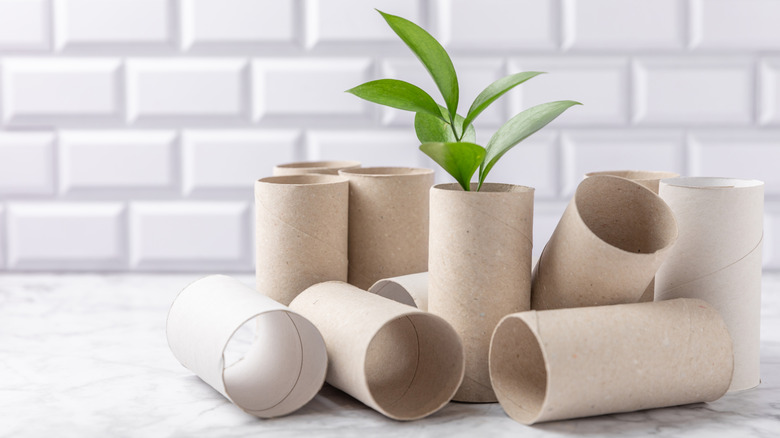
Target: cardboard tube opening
<point x="314" y="167"/>
<point x="393" y="291"/>
<point x="486" y="188"/>
<point x="302" y="179"/>
<point x="636" y="175"/>
<point x="704" y="182"/>
<point x="385" y="171"/>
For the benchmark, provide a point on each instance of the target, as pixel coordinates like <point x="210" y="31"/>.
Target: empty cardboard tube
<point x="300" y="233"/>
<point x="608" y="245"/>
<point x="569" y="363"/>
<point x="718" y="259"/>
<point x="411" y="289"/>
<point x="283" y="369"/>
<point x="316" y="167"/>
<point x="388" y="222"/>
<point x="479" y="268"/>
<point x="398" y="360"/>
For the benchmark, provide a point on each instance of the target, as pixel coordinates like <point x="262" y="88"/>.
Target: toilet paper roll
<point x="283" y="369"/>
<point x="317" y="167"/>
<point x="606" y="248"/>
<point x="569" y="363"/>
<point x="300" y="233"/>
<point x="718" y="259"/>
<point x="401" y="361"/>
<point x="388" y="222"/>
<point x="411" y="289"/>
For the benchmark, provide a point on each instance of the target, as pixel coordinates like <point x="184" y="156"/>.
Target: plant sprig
<point x="447" y="137"/>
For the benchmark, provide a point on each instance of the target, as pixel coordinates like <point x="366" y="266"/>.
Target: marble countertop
<point x="86" y="355"/>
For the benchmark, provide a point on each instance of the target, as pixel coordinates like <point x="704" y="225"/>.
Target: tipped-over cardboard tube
<point x="317" y="167"/>
<point x="569" y="363"/>
<point x="401" y="361"/>
<point x="300" y="233"/>
<point x="718" y="259"/>
<point x="606" y="248"/>
<point x="479" y="268"/>
<point x="388" y="222"/>
<point x="411" y="289"/>
<point x="283" y="369"/>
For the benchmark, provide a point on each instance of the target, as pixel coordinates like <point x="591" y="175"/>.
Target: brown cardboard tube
<point x="569" y="363"/>
<point x="398" y="360"/>
<point x="411" y="289"/>
<point x="300" y="233"/>
<point x="606" y="248"/>
<point x="317" y="167"/>
<point x="718" y="259"/>
<point x="388" y="222"/>
<point x="283" y="369"/>
<point x="479" y="268"/>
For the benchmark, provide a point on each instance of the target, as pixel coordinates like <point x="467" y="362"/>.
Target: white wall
<point x="131" y="131"/>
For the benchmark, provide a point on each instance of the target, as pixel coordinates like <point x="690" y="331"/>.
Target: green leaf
<point x="496" y="90"/>
<point x="518" y="128"/>
<point x="432" y="129"/>
<point x="459" y="159"/>
<point x="397" y="94"/>
<point x="432" y="55"/>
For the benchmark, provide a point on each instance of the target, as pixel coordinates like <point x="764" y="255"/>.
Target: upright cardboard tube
<point x="300" y="233"/>
<point x="316" y="167"/>
<point x="388" y="222"/>
<point x="479" y="268"/>
<point x="718" y="259"/>
<point x="411" y="289"/>
<point x="283" y="369"/>
<point x="401" y="361"/>
<point x="569" y="363"/>
<point x="606" y="248"/>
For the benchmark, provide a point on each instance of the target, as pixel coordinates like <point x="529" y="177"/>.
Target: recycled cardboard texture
<point x="569" y="363"/>
<point x="317" y="167"/>
<point x="300" y="232"/>
<point x="388" y="222"/>
<point x="718" y="259"/>
<point x="606" y="248"/>
<point x="479" y="268"/>
<point x="649" y="179"/>
<point x="285" y="366"/>
<point x="401" y="361"/>
<point x="411" y="289"/>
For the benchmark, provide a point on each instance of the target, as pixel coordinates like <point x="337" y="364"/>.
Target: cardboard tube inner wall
<point x="569" y="363"/>
<point x="411" y="289"/>
<point x="606" y="248"/>
<point x="479" y="268"/>
<point x="283" y="369"/>
<point x="398" y="360"/>
<point x="388" y="222"/>
<point x="316" y="167"/>
<point x="300" y="233"/>
<point x="718" y="259"/>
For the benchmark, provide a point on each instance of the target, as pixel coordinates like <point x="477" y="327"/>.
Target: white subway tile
<point x="91" y="23"/>
<point x="771" y="249"/>
<point x="591" y="151"/>
<point x="735" y="24"/>
<point x="309" y="87"/>
<point x="679" y="91"/>
<point x="546" y="218"/>
<point x="57" y="90"/>
<point x="625" y="24"/>
<point x="600" y="84"/>
<point x="169" y="89"/>
<point x="372" y="148"/>
<point x="26" y="163"/>
<point x="215" y="23"/>
<point x="533" y="163"/>
<point x="24" y="24"/>
<point x="220" y="160"/>
<point x="115" y="161"/>
<point x="497" y="25"/>
<point x="769" y="91"/>
<point x="62" y="236"/>
<point x="190" y="236"/>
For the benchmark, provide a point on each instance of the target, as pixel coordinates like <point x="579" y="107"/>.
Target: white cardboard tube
<point x="398" y="360"/>
<point x="718" y="259"/>
<point x="317" y="167"/>
<point x="285" y="366"/>
<point x="568" y="363"/>
<point x="411" y="289"/>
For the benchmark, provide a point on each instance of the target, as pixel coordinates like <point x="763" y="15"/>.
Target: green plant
<point x="446" y="137"/>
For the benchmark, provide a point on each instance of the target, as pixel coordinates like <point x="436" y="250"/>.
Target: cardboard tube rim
<point x="302" y="180"/>
<point x="388" y="284"/>
<point x="385" y="172"/>
<point x="493" y="189"/>
<point x="636" y="175"/>
<point x="319" y="165"/>
<point x="713" y="183"/>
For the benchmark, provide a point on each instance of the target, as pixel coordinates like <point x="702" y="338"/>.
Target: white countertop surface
<point x="86" y="355"/>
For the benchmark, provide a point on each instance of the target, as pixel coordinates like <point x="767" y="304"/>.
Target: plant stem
<point x="454" y="131"/>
